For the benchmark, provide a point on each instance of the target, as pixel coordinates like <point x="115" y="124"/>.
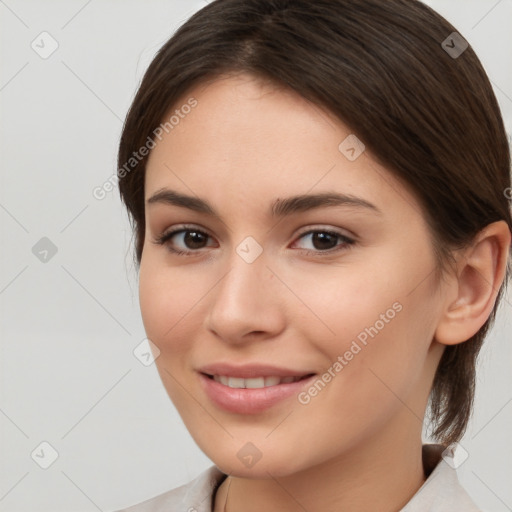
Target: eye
<point x="193" y="239"/>
<point x="326" y="241"/>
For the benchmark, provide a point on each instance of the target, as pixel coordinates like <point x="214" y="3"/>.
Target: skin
<point x="357" y="444"/>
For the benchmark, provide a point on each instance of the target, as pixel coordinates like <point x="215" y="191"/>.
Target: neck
<point x="383" y="473"/>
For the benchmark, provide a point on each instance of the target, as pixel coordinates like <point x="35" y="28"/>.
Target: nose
<point x="247" y="302"/>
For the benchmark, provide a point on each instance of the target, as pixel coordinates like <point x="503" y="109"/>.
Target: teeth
<point x="236" y="382"/>
<point x="254" y="382"/>
<point x="258" y="382"/>
<point x="274" y="381"/>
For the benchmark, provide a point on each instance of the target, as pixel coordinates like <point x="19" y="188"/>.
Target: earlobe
<point x="480" y="273"/>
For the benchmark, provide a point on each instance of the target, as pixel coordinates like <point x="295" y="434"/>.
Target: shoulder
<point x="194" y="496"/>
<point x="442" y="491"/>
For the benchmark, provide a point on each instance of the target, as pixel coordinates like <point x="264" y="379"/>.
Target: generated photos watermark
<point x="304" y="397"/>
<point x="101" y="191"/>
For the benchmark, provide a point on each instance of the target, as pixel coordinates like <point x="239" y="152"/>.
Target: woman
<point x="262" y="130"/>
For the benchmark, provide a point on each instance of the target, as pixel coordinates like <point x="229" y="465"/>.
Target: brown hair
<point x="430" y="117"/>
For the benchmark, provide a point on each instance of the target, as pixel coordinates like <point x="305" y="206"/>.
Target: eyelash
<point x="165" y="237"/>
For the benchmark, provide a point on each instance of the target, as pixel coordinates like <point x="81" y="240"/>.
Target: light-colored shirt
<point x="441" y="491"/>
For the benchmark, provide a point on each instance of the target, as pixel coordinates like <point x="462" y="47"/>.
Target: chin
<point x="246" y="460"/>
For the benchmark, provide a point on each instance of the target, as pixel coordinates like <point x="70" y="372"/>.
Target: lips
<point x="251" y="389"/>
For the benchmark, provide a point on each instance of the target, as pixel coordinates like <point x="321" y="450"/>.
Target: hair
<point x="430" y="118"/>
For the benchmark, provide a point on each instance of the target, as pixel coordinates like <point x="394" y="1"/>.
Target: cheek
<point x="166" y="301"/>
<point x="374" y="328"/>
<point x="154" y="302"/>
<point x="342" y="305"/>
<point x="166" y="298"/>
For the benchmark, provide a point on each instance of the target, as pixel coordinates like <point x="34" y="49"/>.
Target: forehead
<point x="250" y="141"/>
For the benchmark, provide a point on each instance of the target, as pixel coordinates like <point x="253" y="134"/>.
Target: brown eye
<point x="183" y="241"/>
<point x="193" y="239"/>
<point x="325" y="241"/>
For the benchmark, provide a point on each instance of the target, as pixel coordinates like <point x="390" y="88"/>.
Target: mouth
<point x="251" y="390"/>
<point x="255" y="382"/>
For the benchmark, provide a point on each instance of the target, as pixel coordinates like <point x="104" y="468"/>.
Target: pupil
<point x="189" y="240"/>
<point x="323" y="237"/>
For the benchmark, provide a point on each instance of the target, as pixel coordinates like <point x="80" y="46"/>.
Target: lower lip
<point x="247" y="400"/>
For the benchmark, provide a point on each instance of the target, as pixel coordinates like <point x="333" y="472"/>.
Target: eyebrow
<point x="280" y="207"/>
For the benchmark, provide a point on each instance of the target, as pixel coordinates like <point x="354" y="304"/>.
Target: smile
<point x="248" y="392"/>
<point x="255" y="382"/>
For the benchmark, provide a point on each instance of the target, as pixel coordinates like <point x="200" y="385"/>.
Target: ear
<point x="471" y="294"/>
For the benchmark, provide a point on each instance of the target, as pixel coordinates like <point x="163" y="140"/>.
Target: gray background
<point x="69" y="325"/>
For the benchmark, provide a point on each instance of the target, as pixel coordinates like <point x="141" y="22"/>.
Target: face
<point x="337" y="297"/>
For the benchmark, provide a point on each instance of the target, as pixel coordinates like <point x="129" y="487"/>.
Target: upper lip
<point x="247" y="371"/>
